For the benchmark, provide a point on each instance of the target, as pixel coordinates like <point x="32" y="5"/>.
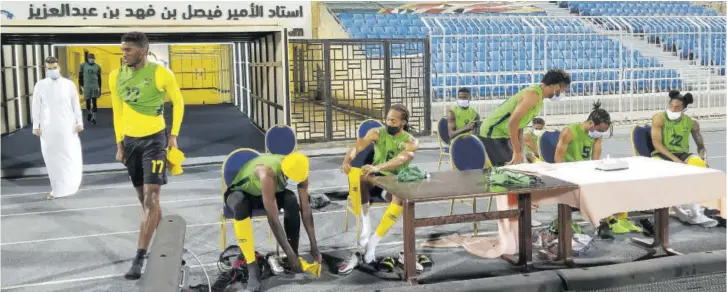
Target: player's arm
<point x="361" y="144"/>
<point x="412" y="145"/>
<point x="657" y="126"/>
<point x="396" y="162"/>
<point x="166" y="77"/>
<point x="565" y="137"/>
<point x="451" y="125"/>
<point x="307" y="215"/>
<point x="118" y="110"/>
<point x="530" y="143"/>
<point x="596" y="152"/>
<point x="267" y="182"/>
<point x="526" y="103"/>
<point x="699" y="140"/>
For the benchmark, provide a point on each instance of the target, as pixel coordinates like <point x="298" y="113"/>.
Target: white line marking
<point x="125" y="185"/>
<point x="108" y="207"/>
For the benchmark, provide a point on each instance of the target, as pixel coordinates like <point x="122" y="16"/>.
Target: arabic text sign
<point x="296" y="16"/>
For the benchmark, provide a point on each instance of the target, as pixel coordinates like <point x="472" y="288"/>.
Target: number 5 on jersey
<point x="157" y="166"/>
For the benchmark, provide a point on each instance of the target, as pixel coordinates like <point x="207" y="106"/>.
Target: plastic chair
<point x="230" y="167"/>
<point x="359" y="161"/>
<point x="468" y="153"/>
<point x="547" y="144"/>
<point x="444" y="147"/>
<point x="641" y="140"/>
<point x="280" y="139"/>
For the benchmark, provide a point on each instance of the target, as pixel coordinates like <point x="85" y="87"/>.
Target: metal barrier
<point x="629" y="63"/>
<point x="337" y="84"/>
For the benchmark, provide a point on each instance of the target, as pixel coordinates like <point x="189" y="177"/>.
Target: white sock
<point x="370" y="255"/>
<point x="366" y="226"/>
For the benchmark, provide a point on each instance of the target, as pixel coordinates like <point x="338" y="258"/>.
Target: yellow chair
<point x="230" y="167"/>
<point x="468" y="153"/>
<point x="444" y="141"/>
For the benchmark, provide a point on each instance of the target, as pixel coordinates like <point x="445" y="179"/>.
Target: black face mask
<point x="392" y="130"/>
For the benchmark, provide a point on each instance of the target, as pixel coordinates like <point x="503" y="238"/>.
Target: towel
<point x="175" y="157"/>
<point x="411" y="174"/>
<point x="311" y="268"/>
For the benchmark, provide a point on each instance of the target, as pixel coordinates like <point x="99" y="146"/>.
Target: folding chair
<point x="641" y="140"/>
<point x="468" y="153"/>
<point x="230" y="167"/>
<point x="547" y="144"/>
<point x="444" y="147"/>
<point x="280" y="140"/>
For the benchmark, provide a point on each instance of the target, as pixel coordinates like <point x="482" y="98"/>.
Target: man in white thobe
<point x="57" y="120"/>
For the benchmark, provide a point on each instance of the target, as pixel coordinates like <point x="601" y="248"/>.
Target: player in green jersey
<point x="531" y="137"/>
<point x="502" y="130"/>
<point x="262" y="184"/>
<point x="670" y="131"/>
<point x="89" y="82"/>
<point x="462" y="118"/>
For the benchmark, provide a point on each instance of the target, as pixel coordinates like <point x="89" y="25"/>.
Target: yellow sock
<point x="245" y="238"/>
<point x="392" y="213"/>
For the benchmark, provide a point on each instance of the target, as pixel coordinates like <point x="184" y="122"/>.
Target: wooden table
<point x="464" y="185"/>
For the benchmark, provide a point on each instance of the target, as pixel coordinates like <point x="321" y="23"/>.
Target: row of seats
<point x="623" y="8"/>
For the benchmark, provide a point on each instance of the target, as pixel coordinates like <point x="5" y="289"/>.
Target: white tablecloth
<point x="647" y="184"/>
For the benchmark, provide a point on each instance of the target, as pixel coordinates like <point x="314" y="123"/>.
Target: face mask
<point x="392" y="130"/>
<point x="54" y="74"/>
<point x="91" y="61"/>
<point x="595" y="134"/>
<point x="292" y="182"/>
<point x="538" y="132"/>
<point x="463" y="103"/>
<point x="673" y="115"/>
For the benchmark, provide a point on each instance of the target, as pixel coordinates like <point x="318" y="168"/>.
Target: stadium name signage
<point x="291" y="14"/>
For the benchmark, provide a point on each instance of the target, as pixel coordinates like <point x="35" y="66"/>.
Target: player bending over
<point x="261" y="183"/>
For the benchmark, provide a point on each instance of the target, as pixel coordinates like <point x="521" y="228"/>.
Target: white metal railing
<point x="629" y="63"/>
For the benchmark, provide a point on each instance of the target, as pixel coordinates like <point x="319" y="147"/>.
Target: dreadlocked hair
<point x="404" y="115"/>
<point x="600" y="116"/>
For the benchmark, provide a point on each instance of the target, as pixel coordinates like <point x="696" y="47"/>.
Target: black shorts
<point x="499" y="150"/>
<point x="146" y="159"/>
<point x="682" y="156"/>
<point x="248" y="205"/>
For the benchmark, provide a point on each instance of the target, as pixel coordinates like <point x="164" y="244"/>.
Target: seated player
<point x="670" y="131"/>
<point x="583" y="141"/>
<point x="531" y="138"/>
<point x="394" y="149"/>
<point x="261" y="183"/>
<point x="462" y="118"/>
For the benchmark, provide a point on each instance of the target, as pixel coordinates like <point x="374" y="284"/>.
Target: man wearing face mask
<point x="89" y="81"/>
<point x="502" y="130"/>
<point x="462" y="118"/>
<point x="261" y="183"/>
<point x="581" y="142"/>
<point x="531" y="138"/>
<point x="670" y="131"/>
<point x="57" y="120"/>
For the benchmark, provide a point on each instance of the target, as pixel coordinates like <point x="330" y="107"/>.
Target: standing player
<point x="670" y="131"/>
<point x="502" y="130"/>
<point x="137" y="98"/>
<point x="89" y="81"/>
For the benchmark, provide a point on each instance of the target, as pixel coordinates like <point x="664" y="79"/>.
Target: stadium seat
<point x="547" y="144"/>
<point x="468" y="153"/>
<point x="443" y="133"/>
<point x="280" y="140"/>
<point x="641" y="140"/>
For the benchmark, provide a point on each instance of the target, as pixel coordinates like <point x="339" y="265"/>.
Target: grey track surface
<point x="86" y="242"/>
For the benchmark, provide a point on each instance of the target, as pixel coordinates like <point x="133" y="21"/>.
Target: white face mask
<point x="673" y="115"/>
<point x="596" y="134"/>
<point x="292" y="182"/>
<point x="463" y="103"/>
<point x="538" y="132"/>
<point x="54" y="74"/>
<point x="557" y="97"/>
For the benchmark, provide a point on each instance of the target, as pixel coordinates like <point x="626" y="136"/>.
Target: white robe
<point x="56" y="111"/>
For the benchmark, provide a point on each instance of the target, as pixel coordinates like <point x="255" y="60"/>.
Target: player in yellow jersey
<point x="137" y="98"/>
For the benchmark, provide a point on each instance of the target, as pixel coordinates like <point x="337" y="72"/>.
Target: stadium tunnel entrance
<point x="232" y="78"/>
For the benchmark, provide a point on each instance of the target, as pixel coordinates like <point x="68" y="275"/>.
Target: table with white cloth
<point x="647" y="184"/>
